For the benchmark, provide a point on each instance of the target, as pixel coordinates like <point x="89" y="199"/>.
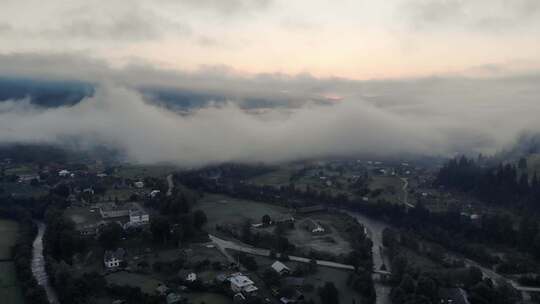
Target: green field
<point x="391" y="186"/>
<point x="21" y="169"/>
<point x="138" y="171"/>
<point x="208" y="298"/>
<point x="332" y="241"/>
<point x="222" y="210"/>
<point x="120" y="194"/>
<point x="23" y="189"/>
<point x="277" y="177"/>
<point x="8" y="230"/>
<point x="146" y="283"/>
<point x="10" y="291"/>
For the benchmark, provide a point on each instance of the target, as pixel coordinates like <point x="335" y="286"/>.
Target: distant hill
<point x="44" y="93"/>
<point x="56" y="93"/>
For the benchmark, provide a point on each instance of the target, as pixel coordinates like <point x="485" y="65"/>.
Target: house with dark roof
<point x="113" y="258"/>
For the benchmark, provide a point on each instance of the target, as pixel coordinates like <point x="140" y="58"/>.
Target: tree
<point x="312" y="266"/>
<point x="110" y="235"/>
<point x="199" y="219"/>
<point x="399" y="265"/>
<point x="266" y="220"/>
<point x="271" y="278"/>
<point x="160" y="229"/>
<point x="246" y="234"/>
<point x="248" y="262"/>
<point x="522" y="163"/>
<point x="329" y="294"/>
<point x="407" y="284"/>
<point x="475" y="276"/>
<point x="427" y="287"/>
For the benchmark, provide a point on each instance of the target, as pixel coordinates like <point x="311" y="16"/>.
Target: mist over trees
<point x="503" y="184"/>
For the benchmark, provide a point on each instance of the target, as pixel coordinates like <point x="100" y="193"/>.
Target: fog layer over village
<point x="301" y="117"/>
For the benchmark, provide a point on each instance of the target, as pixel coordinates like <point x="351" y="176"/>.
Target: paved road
<point x="495" y="277"/>
<point x="224" y="244"/>
<point x="375" y="228"/>
<point x="170" y="183"/>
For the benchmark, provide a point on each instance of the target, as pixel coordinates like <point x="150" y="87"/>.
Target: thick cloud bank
<point x="120" y="118"/>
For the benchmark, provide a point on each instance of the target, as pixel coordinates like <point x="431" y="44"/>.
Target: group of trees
<point x="61" y="240"/>
<point x="505" y="184"/>
<point x="415" y="285"/>
<point x="177" y="221"/>
<point x="276" y="241"/>
<point x="329" y="293"/>
<point x="22" y="211"/>
<point x="449" y="229"/>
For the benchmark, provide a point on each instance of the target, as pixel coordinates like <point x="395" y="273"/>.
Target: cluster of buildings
<point x="243" y="287"/>
<point x="135" y="214"/>
<point x="127" y="215"/>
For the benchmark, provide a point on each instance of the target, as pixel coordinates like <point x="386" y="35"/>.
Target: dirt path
<point x="406" y="192"/>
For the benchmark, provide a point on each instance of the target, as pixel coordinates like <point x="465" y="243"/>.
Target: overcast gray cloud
<point x="425" y="116"/>
<point x="227" y="7"/>
<point x="481" y="15"/>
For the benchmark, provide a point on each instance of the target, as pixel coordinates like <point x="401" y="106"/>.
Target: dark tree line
<point x="505" y="184"/>
<point x="449" y="229"/>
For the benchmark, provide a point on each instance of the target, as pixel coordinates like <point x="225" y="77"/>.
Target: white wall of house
<point x="114" y="262"/>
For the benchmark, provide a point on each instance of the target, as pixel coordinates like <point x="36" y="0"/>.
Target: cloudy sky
<point x="359" y="39"/>
<point x="340" y="77"/>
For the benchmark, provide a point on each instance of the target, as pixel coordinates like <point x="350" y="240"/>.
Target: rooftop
<point x="115" y="254"/>
<point x="240" y="280"/>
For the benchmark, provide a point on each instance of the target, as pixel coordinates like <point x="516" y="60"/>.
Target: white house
<point x="319" y="229"/>
<point x="113" y="258"/>
<point x="139" y="184"/>
<point x="241" y="283"/>
<point x="138" y="217"/>
<point x="63" y="173"/>
<point x="280" y="268"/>
<point x="111" y="210"/>
<point x="24" y="178"/>
<point x="192" y="277"/>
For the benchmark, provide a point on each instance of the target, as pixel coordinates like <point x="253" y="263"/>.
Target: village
<point x="116" y="216"/>
<point x="168" y="240"/>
